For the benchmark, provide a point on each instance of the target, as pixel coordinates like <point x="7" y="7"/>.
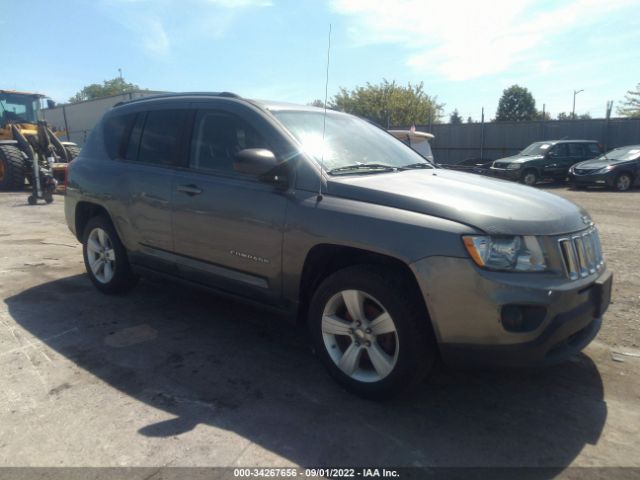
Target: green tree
<point x="516" y="104"/>
<point x="547" y="116"/>
<point x="455" y="118"/>
<point x="631" y="105"/>
<point x="115" y="86"/>
<point x="389" y="104"/>
<point x="316" y="103"/>
<point x="470" y="120"/>
<point x="568" y="116"/>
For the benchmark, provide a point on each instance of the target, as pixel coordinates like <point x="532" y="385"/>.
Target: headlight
<point x="606" y="169"/>
<point x="517" y="254"/>
<point x="514" y="166"/>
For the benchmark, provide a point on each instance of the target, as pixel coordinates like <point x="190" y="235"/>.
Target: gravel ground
<point x="166" y="376"/>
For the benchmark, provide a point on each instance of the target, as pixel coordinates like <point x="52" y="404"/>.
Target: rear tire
<point x="389" y="345"/>
<point x="105" y="257"/>
<point x="12" y="168"/>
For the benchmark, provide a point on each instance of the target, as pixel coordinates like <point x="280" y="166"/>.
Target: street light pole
<point x="573" y="111"/>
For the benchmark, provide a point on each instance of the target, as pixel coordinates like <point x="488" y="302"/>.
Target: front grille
<point x="583" y="171"/>
<point x="581" y="253"/>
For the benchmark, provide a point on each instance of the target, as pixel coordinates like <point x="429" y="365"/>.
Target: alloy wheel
<point x="623" y="182"/>
<point x="101" y="255"/>
<point x="530" y="178"/>
<point x="360" y="336"/>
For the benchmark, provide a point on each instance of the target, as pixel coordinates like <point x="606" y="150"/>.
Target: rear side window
<point x="160" y="141"/>
<point x="115" y="128"/>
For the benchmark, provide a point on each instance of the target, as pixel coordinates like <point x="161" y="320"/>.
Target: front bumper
<point x="603" y="179"/>
<point x="465" y="305"/>
<point x="508" y="174"/>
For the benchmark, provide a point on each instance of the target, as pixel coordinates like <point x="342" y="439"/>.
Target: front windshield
<point x="622" y="154"/>
<point x="538" y="148"/>
<point x="349" y="141"/>
<point x="19" y="108"/>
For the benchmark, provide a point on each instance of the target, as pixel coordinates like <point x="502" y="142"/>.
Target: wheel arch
<point x="531" y="168"/>
<point x="625" y="171"/>
<point x="325" y="259"/>
<point x="86" y="211"/>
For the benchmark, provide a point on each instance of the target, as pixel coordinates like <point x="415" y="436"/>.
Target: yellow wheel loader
<point x="29" y="149"/>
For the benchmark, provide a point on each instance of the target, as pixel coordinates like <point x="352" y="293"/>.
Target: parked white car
<point x="419" y="141"/>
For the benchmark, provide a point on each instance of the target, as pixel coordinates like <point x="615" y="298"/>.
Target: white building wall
<point x="83" y="116"/>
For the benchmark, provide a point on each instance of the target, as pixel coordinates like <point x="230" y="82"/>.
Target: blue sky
<point x="465" y="52"/>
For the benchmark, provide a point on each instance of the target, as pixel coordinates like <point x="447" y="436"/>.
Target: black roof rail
<point x="181" y="94"/>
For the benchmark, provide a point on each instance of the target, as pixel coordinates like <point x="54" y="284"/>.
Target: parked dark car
<point x="544" y="160"/>
<point x="472" y="165"/>
<point x="618" y="169"/>
<point x="389" y="260"/>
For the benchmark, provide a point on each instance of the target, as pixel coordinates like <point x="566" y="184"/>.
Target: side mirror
<point x="254" y="161"/>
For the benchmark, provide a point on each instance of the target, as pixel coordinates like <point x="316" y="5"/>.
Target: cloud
<point x="158" y="24"/>
<point x="467" y="39"/>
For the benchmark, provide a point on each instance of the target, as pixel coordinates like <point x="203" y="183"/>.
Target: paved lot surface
<point x="165" y="376"/>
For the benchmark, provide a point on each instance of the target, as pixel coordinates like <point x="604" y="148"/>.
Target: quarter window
<point x="160" y="142"/>
<point x="217" y="137"/>
<point x="114" y="130"/>
<point x="134" y="138"/>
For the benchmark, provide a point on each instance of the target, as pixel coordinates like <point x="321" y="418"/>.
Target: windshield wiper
<point x="417" y="165"/>
<point x="375" y="167"/>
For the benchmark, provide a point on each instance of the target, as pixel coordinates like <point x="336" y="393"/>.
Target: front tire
<point x="623" y="182"/>
<point x="105" y="257"/>
<point x="529" y="177"/>
<point x="370" y="332"/>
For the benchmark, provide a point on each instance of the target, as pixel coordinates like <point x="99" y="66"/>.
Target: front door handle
<point x="190" y="190"/>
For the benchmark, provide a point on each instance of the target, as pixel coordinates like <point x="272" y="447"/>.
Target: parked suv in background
<point x="390" y="260"/>
<point x="545" y="160"/>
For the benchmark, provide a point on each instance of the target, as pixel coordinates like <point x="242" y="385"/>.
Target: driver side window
<point x="217" y="137"/>
<point x="560" y="150"/>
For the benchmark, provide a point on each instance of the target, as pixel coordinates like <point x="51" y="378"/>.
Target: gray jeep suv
<point x="391" y="261"/>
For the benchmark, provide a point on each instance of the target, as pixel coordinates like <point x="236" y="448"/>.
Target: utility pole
<point x="606" y="125"/>
<point x="120" y="72"/>
<point x="482" y="135"/>
<point x="573" y="110"/>
<point x="544" y="114"/>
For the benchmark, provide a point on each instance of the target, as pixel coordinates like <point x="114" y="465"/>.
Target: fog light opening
<point x="522" y="318"/>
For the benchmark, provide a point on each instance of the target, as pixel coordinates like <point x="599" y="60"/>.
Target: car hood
<point x="493" y="206"/>
<point x="520" y="158"/>
<point x="597" y="164"/>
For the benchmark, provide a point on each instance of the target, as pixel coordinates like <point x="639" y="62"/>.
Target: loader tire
<point x="73" y="151"/>
<point x="12" y="168"/>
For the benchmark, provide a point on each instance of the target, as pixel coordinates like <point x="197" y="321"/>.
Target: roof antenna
<point x="324" y="118"/>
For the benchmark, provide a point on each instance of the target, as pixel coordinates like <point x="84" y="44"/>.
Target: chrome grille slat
<point x="581" y="253"/>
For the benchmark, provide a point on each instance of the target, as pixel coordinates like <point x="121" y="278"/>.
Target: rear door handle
<point x="190" y="190"/>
